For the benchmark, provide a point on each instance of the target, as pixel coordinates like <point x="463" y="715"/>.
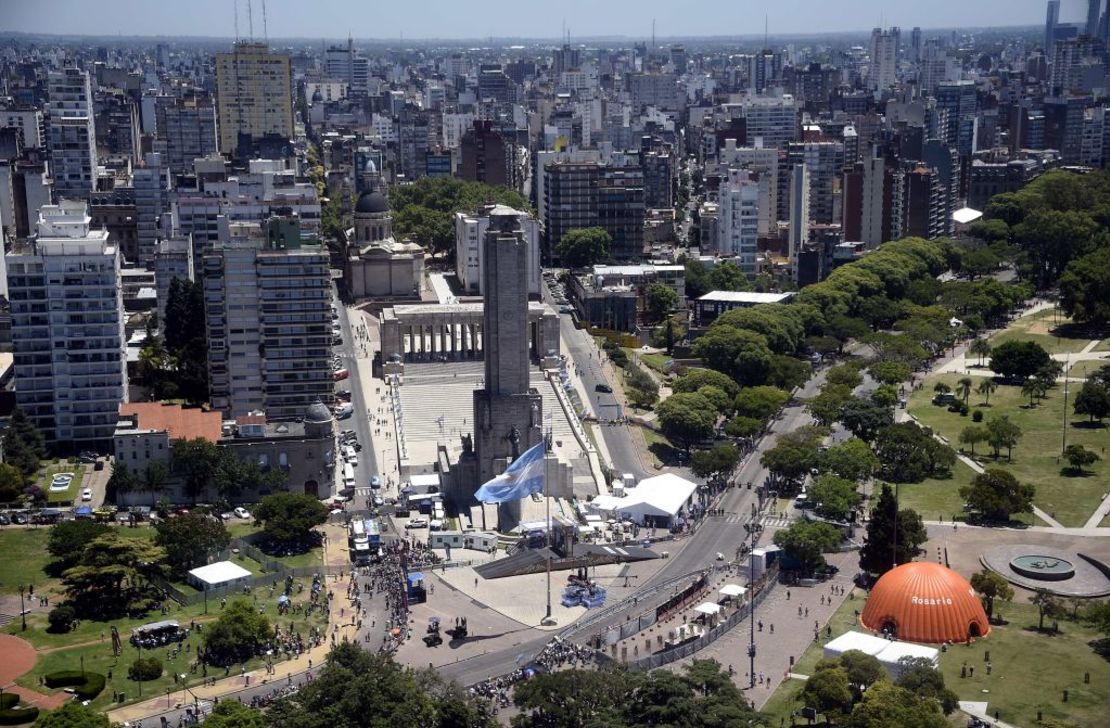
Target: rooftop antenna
<point x="250" y="20"/>
<point x="236" y="21"/>
<point x="766" y="45"/>
<point x="265" y="27"/>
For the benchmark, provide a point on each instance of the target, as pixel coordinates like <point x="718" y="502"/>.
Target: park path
<point x="19" y="657"/>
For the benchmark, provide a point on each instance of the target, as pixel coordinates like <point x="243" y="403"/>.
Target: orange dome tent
<point x="923" y="602"/>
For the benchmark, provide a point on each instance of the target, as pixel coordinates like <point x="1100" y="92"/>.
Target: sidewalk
<point x="312" y="657"/>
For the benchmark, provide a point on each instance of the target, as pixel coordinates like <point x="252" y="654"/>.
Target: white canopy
<point x="732" y="590"/>
<point x="888" y="652"/>
<point x="708" y="608"/>
<point x="221" y="572"/>
<point x="852" y="640"/>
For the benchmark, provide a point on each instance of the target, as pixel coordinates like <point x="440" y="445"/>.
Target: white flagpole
<point x="547" y="498"/>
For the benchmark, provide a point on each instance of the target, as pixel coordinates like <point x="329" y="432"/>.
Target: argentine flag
<point x="522" y="478"/>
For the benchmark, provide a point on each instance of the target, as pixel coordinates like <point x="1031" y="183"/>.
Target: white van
<point x="348" y="476"/>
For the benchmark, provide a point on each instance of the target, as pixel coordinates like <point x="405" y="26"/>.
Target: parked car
<point x="242" y="512"/>
<point x="4" y="519"/>
<point x="416" y="523"/>
<point x="603" y="388"/>
<point x="20" y="519"/>
<point x="340" y="374"/>
<point x="86" y="494"/>
<point x="344" y="410"/>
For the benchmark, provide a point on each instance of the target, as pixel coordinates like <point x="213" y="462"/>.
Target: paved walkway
<point x="19" y="657"/>
<point x="777" y="651"/>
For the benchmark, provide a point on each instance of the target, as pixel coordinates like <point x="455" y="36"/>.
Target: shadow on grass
<point x="1089" y="425"/>
<point x="1080" y="331"/>
<point x="667" y="454"/>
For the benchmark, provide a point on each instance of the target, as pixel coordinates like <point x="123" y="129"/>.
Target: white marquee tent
<point x="221" y="573"/>
<point x="888" y="652"/>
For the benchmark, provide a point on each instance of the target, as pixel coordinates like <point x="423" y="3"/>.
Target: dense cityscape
<point x="533" y="380"/>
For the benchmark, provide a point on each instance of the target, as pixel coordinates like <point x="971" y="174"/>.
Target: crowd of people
<point x="555" y="655"/>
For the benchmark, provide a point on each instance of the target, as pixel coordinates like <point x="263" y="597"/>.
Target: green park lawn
<point x="251" y="533"/>
<point x="63" y="496"/>
<point x="1071" y="499"/>
<point x="939" y="498"/>
<point x="1048" y="328"/>
<point x="91" y="640"/>
<point x="658" y="362"/>
<point x="1030" y="670"/>
<point x="28" y="545"/>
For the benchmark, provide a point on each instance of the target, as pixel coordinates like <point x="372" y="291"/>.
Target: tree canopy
<point x="288" y="518"/>
<point x="112" y="577"/>
<point x="1018" y="360"/>
<point x="996" y="494"/>
<point x="1085" y="287"/>
<point x="806" y="541"/>
<point x="190" y="539"/>
<point x="583" y="247"/>
<point x="686" y="418"/>
<point x="237" y="635"/>
<point x="423" y="209"/>
<point x="893" y="535"/>
<point x="908" y="454"/>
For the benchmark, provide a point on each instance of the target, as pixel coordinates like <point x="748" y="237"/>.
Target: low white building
<point x="657" y="501"/>
<point x="888" y="652"/>
<point x="219" y="574"/>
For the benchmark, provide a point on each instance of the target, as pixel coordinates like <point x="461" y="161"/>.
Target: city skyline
<point x="436" y="20"/>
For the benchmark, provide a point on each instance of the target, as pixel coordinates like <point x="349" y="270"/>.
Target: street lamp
<point x="22" y="608"/>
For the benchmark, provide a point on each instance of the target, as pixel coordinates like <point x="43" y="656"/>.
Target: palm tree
<point x="963" y="388"/>
<point x="980" y="348"/>
<point x="941" y="388"/>
<point x="986" y="388"/>
<point x="1031" y="388"/>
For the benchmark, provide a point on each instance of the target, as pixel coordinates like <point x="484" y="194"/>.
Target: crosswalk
<point x="774" y="519"/>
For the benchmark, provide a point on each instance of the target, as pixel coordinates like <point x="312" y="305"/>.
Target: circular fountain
<point x="1042" y="568"/>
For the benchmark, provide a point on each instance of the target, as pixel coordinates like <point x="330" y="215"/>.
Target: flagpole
<point x="547" y="499"/>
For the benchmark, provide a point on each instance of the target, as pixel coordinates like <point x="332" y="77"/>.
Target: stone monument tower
<point x="508" y="413"/>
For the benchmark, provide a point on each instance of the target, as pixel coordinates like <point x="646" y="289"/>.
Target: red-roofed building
<point x="146" y="431"/>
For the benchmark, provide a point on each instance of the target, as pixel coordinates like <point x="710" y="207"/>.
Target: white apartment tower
<point x="470" y="231"/>
<point x="67" y="327"/>
<point x="738" y="224"/>
<point x="882" y="72"/>
<point x="71" y="133"/>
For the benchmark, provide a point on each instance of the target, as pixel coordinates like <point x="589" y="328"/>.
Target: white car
<point x="379" y="501"/>
<point x="435" y="525"/>
<point x="242" y="512"/>
<point x="417" y="523"/>
<point x="86" y="494"/>
<point x="350" y="455"/>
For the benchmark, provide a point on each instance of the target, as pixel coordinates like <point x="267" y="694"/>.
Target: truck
<point x="358" y="541"/>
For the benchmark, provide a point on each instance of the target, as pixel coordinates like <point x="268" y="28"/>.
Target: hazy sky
<point x="529" y="18"/>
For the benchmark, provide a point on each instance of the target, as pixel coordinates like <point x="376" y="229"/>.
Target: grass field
<point x="92" y="641"/>
<point x="939" y="498"/>
<point x="30" y="545"/>
<point x="251" y="533"/>
<point x="1030" y="670"/>
<point x="1049" y="328"/>
<point x="1070" y="499"/>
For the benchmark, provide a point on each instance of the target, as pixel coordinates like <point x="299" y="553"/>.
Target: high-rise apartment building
<point x="254" y="94"/>
<point x="883" y="70"/>
<point x="589" y="194"/>
<point x="825" y="162"/>
<point x="151" y="201"/>
<point x="344" y="64"/>
<point x="738" y="220"/>
<point x="186" y="130"/>
<point x="67" y="327"/>
<point x="71" y="133"/>
<point x="486" y="155"/>
<point x="267" y="302"/>
<point x="1052" y="18"/>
